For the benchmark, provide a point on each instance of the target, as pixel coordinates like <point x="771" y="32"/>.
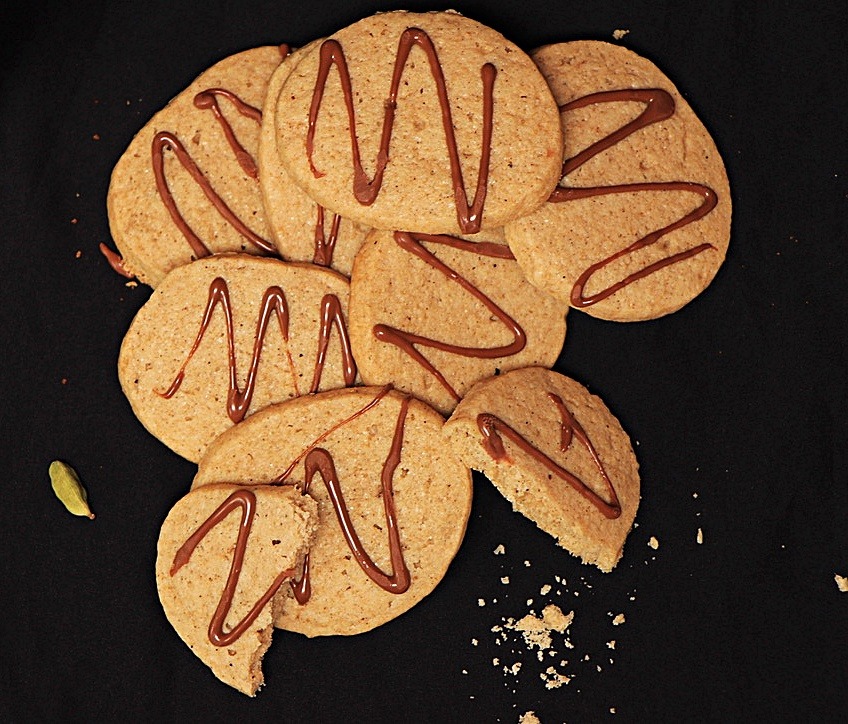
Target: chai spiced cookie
<point x="225" y="553"/>
<point x="640" y="222"/>
<point x="433" y="314"/>
<point x="557" y="454"/>
<point x="301" y="229"/>
<point x="227" y="335"/>
<point x="393" y="500"/>
<point x="188" y="185"/>
<point x="423" y="121"/>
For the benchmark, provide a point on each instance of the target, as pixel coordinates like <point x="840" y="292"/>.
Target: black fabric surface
<point x="737" y="405"/>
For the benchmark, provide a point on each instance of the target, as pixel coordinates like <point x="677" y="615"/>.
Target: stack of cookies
<point x="353" y="241"/>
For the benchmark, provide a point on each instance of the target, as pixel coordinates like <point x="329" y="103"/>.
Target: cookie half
<point x="225" y="552"/>
<point x="424" y="121"/>
<point x="228" y="335"/>
<point x="640" y="222"/>
<point x="557" y="454"/>
<point x="433" y="314"/>
<point x="188" y="184"/>
<point x="301" y="229"/>
<point x="393" y="500"/>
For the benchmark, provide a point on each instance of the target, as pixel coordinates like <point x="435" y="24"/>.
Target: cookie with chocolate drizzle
<point x="640" y="222"/>
<point x="424" y="121"/>
<point x="393" y="500"/>
<point x="557" y="454"/>
<point x="187" y="185"/>
<point x="227" y="335"/>
<point x="472" y="314"/>
<point x="301" y="229"/>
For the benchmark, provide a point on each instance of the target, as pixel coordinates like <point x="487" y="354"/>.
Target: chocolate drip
<point x="365" y="190"/>
<point x="246" y="500"/>
<point x="492" y="429"/>
<point x="659" y="105"/>
<point x="325" y="245"/>
<point x="115" y="261"/>
<point x="407" y="341"/>
<point x="318" y="460"/>
<point x="165" y="140"/>
<point x="273" y="302"/>
<point x="331" y="314"/>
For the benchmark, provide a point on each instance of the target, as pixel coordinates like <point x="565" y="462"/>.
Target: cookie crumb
<point x="537" y="631"/>
<point x="700" y="537"/>
<point x="505" y="580"/>
<point x="96" y="137"/>
<point x="611" y="644"/>
<point x="653" y="543"/>
<point x="132" y="284"/>
<point x="500" y="550"/>
<point x="619" y="34"/>
<point x="75" y="220"/>
<point x="618" y="620"/>
<point x="841" y="583"/>
<point x="553" y="679"/>
<point x="545" y="590"/>
<point x="529" y="717"/>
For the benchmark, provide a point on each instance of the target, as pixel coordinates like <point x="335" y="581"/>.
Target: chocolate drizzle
<point x="318" y="460"/>
<point x="325" y="245"/>
<point x="407" y="341"/>
<point x="365" y="190"/>
<point x="273" y="303"/>
<point x="659" y="105"/>
<point x="166" y="140"/>
<point x="115" y="261"/>
<point x="493" y="429"/>
<point x="246" y="500"/>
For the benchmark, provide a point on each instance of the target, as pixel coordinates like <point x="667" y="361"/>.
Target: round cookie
<point x="432" y="315"/>
<point x="187" y="185"/>
<point x="393" y="472"/>
<point x="207" y="597"/>
<point x="227" y="335"/>
<point x="405" y="145"/>
<point x="301" y="229"/>
<point x="557" y="454"/>
<point x="641" y="221"/>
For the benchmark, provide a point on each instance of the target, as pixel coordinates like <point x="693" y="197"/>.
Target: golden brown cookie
<point x="225" y="554"/>
<point x="188" y="183"/>
<point x="557" y="454"/>
<point x="393" y="499"/>
<point x="424" y="121"/>
<point x="301" y="229"/>
<point x="641" y="221"/>
<point x="227" y="335"/>
<point x="434" y="314"/>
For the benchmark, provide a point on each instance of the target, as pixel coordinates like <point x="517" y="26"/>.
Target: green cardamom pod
<point x="69" y="489"/>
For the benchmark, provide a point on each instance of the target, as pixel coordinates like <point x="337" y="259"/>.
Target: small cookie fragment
<point x="557" y="454"/>
<point x="227" y="335"/>
<point x="640" y="223"/>
<point x="187" y="185"/>
<point x="433" y="314"/>
<point x="424" y="121"/>
<point x="393" y="500"/>
<point x="223" y="608"/>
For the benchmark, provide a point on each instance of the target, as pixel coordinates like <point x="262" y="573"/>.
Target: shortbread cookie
<point x="557" y="454"/>
<point x="188" y="184"/>
<point x="433" y="314"/>
<point x="227" y="335"/>
<point x="225" y="552"/>
<point x="402" y="494"/>
<point x="301" y="229"/>
<point x="424" y="121"/>
<point x="641" y="222"/>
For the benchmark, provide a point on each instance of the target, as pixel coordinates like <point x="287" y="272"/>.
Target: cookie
<point x="227" y="335"/>
<point x="433" y="314"/>
<point x="393" y="500"/>
<point x="557" y="454"/>
<point x="301" y="229"/>
<point x="188" y="185"/>
<point x="640" y="223"/>
<point x="225" y="552"/>
<point x="420" y="121"/>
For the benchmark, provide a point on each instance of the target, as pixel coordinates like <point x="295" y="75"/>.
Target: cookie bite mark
<point x="319" y="461"/>
<point x="245" y="500"/>
<point x="273" y="303"/>
<point x="493" y="428"/>
<point x="365" y="190"/>
<point x="659" y="106"/>
<point x="407" y="341"/>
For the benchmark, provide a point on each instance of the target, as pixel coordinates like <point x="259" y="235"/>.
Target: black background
<point x="737" y="405"/>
